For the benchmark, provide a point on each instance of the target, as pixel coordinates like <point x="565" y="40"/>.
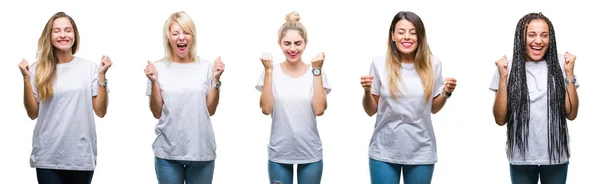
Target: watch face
<point x="316" y="72"/>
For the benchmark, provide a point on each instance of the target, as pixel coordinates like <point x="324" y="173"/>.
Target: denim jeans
<point x="389" y="173"/>
<point x="53" y="176"/>
<point x="177" y="171"/>
<point x="548" y="174"/>
<point x="309" y="173"/>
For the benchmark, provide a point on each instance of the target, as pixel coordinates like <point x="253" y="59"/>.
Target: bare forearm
<point x="438" y="103"/>
<point x="212" y="100"/>
<point x="101" y="100"/>
<point x="571" y="102"/>
<point x="266" y="97"/>
<point x="31" y="105"/>
<point x="369" y="103"/>
<point x="500" y="103"/>
<point x="319" y="96"/>
<point x="156" y="101"/>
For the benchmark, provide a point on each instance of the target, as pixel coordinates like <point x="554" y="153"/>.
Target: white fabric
<point x="294" y="135"/>
<point x="184" y="130"/>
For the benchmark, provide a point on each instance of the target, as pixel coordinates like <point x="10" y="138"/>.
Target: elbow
<point x="32" y="116"/>
<point x="371" y="113"/>
<point x="266" y="111"/>
<point x="572" y="117"/>
<point x="156" y="115"/>
<point x="500" y="123"/>
<point x="211" y="113"/>
<point x="319" y="112"/>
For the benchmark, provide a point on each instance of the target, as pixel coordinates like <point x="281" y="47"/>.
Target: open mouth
<point x="536" y="49"/>
<point x="293" y="54"/>
<point x="407" y="44"/>
<point x="181" y="47"/>
<point x="63" y="41"/>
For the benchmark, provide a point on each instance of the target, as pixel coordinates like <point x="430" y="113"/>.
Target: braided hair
<point x="518" y="96"/>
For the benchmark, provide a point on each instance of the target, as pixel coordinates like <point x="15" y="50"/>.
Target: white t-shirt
<point x="294" y="135"/>
<point x="403" y="128"/>
<point x="64" y="136"/>
<point x="184" y="130"/>
<point x="537" y="80"/>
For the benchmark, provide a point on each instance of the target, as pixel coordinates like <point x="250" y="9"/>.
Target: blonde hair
<point x="423" y="57"/>
<point x="292" y="22"/>
<point x="45" y="71"/>
<point x="188" y="25"/>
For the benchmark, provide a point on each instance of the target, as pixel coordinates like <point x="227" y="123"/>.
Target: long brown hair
<point x="422" y="56"/>
<point x="46" y="57"/>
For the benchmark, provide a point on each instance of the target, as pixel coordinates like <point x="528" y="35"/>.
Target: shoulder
<point x="436" y="60"/>
<point x="85" y="62"/>
<point x="379" y="60"/>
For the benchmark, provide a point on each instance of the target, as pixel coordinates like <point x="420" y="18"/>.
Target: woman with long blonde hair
<point x="64" y="92"/>
<point x="404" y="88"/>
<point x="183" y="98"/>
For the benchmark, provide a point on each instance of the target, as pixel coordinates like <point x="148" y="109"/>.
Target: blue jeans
<point x="53" y="176"/>
<point x="284" y="173"/>
<point x="177" y="171"/>
<point x="549" y="174"/>
<point x="389" y="173"/>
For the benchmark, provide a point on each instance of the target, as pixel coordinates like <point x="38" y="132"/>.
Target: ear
<point x="392" y="35"/>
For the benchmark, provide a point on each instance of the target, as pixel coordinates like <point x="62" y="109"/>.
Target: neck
<point x="407" y="58"/>
<point x="186" y="59"/>
<point x="64" y="56"/>
<point x="294" y="65"/>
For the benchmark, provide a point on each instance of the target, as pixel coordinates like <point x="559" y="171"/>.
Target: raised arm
<point x="212" y="99"/>
<point x="319" y="96"/>
<point x="572" y="99"/>
<point x="100" y="101"/>
<point x="266" y="97"/>
<point x="501" y="101"/>
<point x="156" y="100"/>
<point x="31" y="104"/>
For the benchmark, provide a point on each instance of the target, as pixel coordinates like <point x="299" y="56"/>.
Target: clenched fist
<point x="151" y="72"/>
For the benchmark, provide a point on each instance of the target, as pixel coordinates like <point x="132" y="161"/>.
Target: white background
<point x="467" y="36"/>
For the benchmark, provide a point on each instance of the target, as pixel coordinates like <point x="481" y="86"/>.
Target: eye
<point x="187" y="33"/>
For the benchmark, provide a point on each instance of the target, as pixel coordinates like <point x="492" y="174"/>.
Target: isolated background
<point x="468" y="36"/>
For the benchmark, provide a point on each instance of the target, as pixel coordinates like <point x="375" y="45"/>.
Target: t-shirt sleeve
<point x="439" y="81"/>
<point x="148" y="87"/>
<point x="95" y="84"/>
<point x="326" y="84"/>
<point x="209" y="77"/>
<point x="261" y="81"/>
<point x="376" y="85"/>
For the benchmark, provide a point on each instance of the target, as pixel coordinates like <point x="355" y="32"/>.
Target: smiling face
<point x="63" y="34"/>
<point x="537" y="38"/>
<point x="180" y="41"/>
<point x="292" y="44"/>
<point x="405" y="37"/>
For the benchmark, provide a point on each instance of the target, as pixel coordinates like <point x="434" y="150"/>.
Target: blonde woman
<point x="404" y="88"/>
<point x="294" y="93"/>
<point x="184" y="94"/>
<point x="64" y="92"/>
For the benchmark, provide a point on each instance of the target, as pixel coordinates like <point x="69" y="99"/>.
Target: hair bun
<point x="294" y="16"/>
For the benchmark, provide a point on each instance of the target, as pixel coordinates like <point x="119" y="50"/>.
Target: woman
<point x="294" y="93"/>
<point x="409" y="81"/>
<point x="534" y="98"/>
<point x="183" y="98"/>
<point x="64" y="92"/>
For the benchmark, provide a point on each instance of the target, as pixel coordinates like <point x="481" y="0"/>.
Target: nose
<point x="537" y="40"/>
<point x="406" y="36"/>
<point x="181" y="37"/>
<point x="293" y="48"/>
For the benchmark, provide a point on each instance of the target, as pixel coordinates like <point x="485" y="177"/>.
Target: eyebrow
<point x="405" y="29"/>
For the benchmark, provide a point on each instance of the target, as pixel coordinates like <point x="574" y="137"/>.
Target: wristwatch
<point x="316" y="71"/>
<point x="104" y="84"/>
<point x="217" y="84"/>
<point x="573" y="80"/>
<point x="446" y="94"/>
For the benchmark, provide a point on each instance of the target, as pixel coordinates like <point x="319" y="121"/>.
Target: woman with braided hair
<point x="535" y="95"/>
